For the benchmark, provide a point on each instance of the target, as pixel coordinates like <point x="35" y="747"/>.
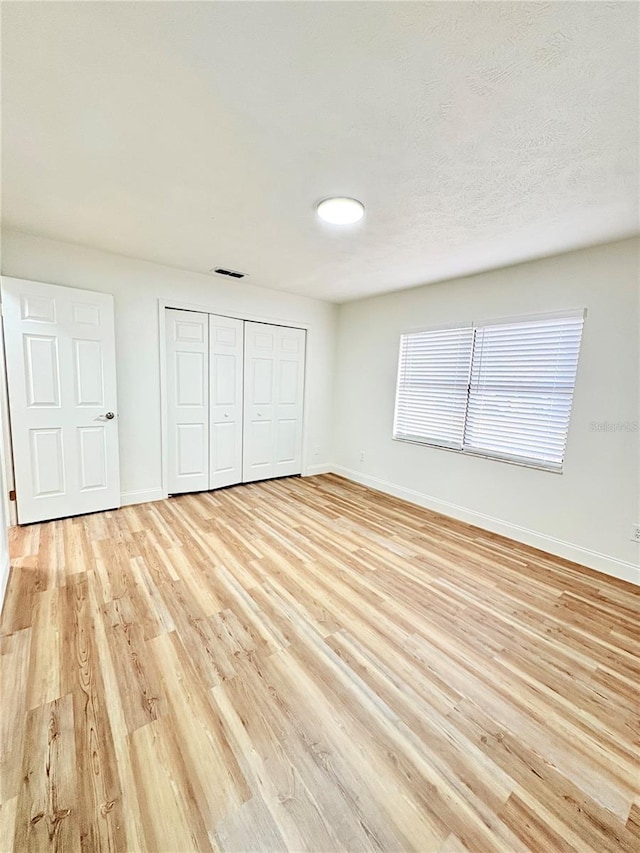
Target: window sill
<point x="522" y="463"/>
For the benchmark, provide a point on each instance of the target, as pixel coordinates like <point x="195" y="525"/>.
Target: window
<point x="502" y="390"/>
<point x="433" y="385"/>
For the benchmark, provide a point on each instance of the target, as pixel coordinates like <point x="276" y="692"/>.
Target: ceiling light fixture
<point x="340" y="211"/>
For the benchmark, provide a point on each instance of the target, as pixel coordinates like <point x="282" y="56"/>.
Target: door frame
<point x="7" y="480"/>
<point x="201" y="308"/>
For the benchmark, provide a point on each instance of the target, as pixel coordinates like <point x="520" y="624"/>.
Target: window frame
<point x="483" y="454"/>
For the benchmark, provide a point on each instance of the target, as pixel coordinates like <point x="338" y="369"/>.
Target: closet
<point x="234" y="400"/>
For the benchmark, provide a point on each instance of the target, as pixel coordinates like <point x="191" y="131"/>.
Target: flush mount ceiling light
<point x="340" y="211"/>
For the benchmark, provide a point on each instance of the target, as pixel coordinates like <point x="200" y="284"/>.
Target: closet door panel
<point x="187" y="347"/>
<point x="226" y="357"/>
<point x="286" y="446"/>
<point x="289" y="400"/>
<point x="274" y="386"/>
<point x="259" y="370"/>
<point x="235" y="400"/>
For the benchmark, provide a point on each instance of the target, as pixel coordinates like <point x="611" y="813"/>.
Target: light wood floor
<point x="308" y="665"/>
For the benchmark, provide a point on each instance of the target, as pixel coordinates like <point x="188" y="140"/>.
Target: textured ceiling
<point x="202" y="134"/>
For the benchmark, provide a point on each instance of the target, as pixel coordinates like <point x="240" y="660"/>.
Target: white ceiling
<point x="202" y="134"/>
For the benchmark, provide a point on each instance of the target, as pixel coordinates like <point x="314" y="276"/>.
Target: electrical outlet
<point x="362" y="457"/>
<point x="635" y="533"/>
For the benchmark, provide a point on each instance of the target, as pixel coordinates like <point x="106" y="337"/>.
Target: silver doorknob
<point x="109" y="416"/>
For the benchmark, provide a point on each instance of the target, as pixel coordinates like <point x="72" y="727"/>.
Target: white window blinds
<point x="433" y="381"/>
<point x="502" y="390"/>
<point x="521" y="388"/>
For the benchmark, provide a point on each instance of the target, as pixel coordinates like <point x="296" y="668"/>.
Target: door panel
<point x="260" y="360"/>
<point x="274" y="386"/>
<point x="286" y="446"/>
<point x="225" y="443"/>
<point x="224" y="375"/>
<point x="226" y="360"/>
<point x="288" y="373"/>
<point x="60" y="348"/>
<point x="92" y="451"/>
<point x="87" y="362"/>
<point x="191" y="450"/>
<point x="38" y="309"/>
<point x="289" y="401"/>
<point x="190" y="379"/>
<point x="85" y="315"/>
<point x="260" y="447"/>
<point x="187" y="351"/>
<point x="262" y="390"/>
<point x="42" y="371"/>
<point x="47" y="462"/>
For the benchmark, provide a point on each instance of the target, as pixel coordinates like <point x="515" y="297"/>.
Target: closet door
<point x="187" y="345"/>
<point x="273" y="401"/>
<point x="226" y="353"/>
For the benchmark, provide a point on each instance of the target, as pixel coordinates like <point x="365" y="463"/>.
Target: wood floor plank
<point x="138" y="677"/>
<point x="46" y="653"/>
<point x="251" y="827"/>
<point x="132" y="827"/>
<point x="99" y="794"/>
<point x="170" y="820"/>
<point x="308" y="665"/>
<point x="8" y="810"/>
<point x="27" y="581"/>
<point x="14" y="667"/>
<point x="47" y="815"/>
<point x="277" y="777"/>
<point x="218" y="783"/>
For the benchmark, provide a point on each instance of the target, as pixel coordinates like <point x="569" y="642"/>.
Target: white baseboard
<point x="313" y="470"/>
<point x="567" y="550"/>
<point x="141" y="497"/>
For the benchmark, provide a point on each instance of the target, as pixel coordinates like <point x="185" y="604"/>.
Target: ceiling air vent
<point x="230" y="273"/>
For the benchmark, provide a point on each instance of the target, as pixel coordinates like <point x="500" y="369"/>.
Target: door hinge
<point x="12" y="495"/>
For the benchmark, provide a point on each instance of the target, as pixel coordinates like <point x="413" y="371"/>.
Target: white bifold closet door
<point x="204" y="392"/>
<point x="273" y="401"/>
<point x="187" y="347"/>
<point x="234" y="401"/>
<point x="225" y="400"/>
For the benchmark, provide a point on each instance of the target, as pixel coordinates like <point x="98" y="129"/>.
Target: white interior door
<point x="273" y="401"/>
<point x="187" y="351"/>
<point x="60" y="352"/>
<point x="226" y="355"/>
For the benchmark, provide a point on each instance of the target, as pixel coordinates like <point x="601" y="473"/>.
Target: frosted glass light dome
<point x="341" y="211"/>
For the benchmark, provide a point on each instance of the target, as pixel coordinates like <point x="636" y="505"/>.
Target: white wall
<point x="585" y="513"/>
<point x="137" y="286"/>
